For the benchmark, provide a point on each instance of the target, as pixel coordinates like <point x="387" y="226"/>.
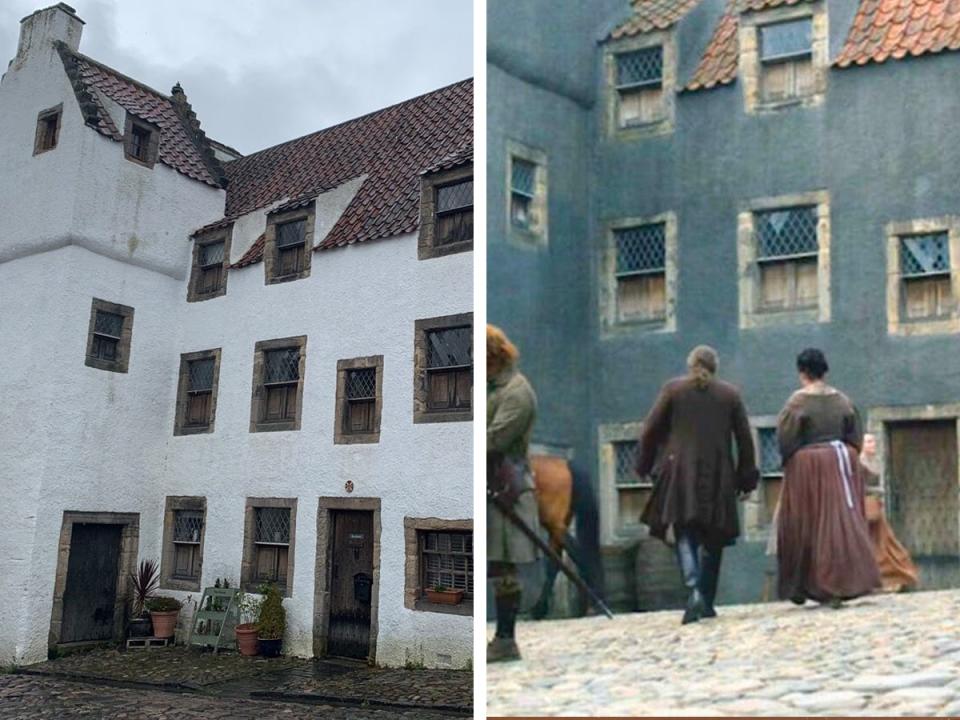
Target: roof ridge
<point x="358" y="118"/>
<point x="104" y="66"/>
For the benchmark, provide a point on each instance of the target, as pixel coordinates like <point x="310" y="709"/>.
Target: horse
<point x="564" y="494"/>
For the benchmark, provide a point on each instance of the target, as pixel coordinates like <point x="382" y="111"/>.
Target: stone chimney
<point x="39" y="30"/>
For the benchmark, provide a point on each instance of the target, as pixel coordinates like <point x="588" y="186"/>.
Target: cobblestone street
<point x="881" y="655"/>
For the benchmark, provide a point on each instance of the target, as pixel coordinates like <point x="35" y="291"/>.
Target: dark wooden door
<point x="924" y="490"/>
<point x="90" y="596"/>
<point x="351" y="585"/>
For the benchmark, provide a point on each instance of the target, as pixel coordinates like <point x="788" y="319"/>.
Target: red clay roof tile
<point x="892" y="28"/>
<point x="652" y="15"/>
<point x="718" y="64"/>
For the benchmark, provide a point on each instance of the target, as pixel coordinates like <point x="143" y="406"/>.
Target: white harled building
<point x="254" y="367"/>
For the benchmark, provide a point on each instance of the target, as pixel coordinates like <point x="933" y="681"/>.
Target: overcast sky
<point x="259" y="72"/>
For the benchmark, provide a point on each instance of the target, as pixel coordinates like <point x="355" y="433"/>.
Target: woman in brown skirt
<point x="824" y="551"/>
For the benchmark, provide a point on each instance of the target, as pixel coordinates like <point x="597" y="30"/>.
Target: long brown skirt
<point x="823" y="545"/>
<point x="897" y="570"/>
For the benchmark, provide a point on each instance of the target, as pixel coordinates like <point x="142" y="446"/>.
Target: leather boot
<point x="710" y="578"/>
<point x="687" y="555"/>
<point x="503" y="647"/>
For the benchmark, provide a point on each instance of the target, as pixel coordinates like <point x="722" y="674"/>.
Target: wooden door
<point x="924" y="490"/>
<point x="90" y="595"/>
<point x="351" y="584"/>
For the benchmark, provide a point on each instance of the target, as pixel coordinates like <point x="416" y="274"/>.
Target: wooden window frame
<point x="271" y="257"/>
<point x="181" y="426"/>
<point x="248" y="573"/>
<point x="224" y="235"/>
<point x="174" y="504"/>
<point x="536" y="233"/>
<point x="613" y="530"/>
<point x="258" y="395"/>
<point x="413" y="595"/>
<point x="341" y="436"/>
<point x="121" y="361"/>
<point x="427" y="247"/>
<point x="421" y="412"/>
<point x="664" y="123"/>
<point x="137" y="125"/>
<point x="43" y="118"/>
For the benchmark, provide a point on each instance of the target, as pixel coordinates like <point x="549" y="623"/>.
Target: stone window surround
<point x="420" y="412"/>
<point x="340" y="436"/>
<point x="426" y="249"/>
<point x="748" y="270"/>
<point x="607" y="434"/>
<point x="756" y="528"/>
<point x="41" y="117"/>
<point x="665" y="39"/>
<point x="749" y="65"/>
<point x="247" y="575"/>
<point x="324" y="566"/>
<point x="257" y="396"/>
<point x="122" y="362"/>
<point x="308" y="215"/>
<point x="174" y="503"/>
<point x="224" y="235"/>
<point x="896" y="323"/>
<point x="129" y="548"/>
<point x="412" y="592"/>
<point x="180" y="427"/>
<point x="153" y="146"/>
<point x="524" y="237"/>
<point x="609" y="323"/>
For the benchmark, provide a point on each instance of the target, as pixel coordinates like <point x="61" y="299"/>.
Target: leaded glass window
<point x="290" y="246"/>
<point x="140" y="143"/>
<point x="638" y="81"/>
<point x="641" y="272"/>
<point x="187" y="533"/>
<point x="770" y="461"/>
<point x="210" y="262"/>
<point x="523" y="175"/>
<point x="281" y="375"/>
<point x="925" y="269"/>
<point x="361" y="400"/>
<point x="632" y="491"/>
<point x="107" y="329"/>
<point x="924" y="255"/>
<point x="625" y="464"/>
<point x="199" y="391"/>
<point x="787" y="246"/>
<point x="446" y="559"/>
<point x="786" y="233"/>
<point x="449" y="368"/>
<point x="271" y="539"/>
<point x="454" y="212"/>
<point x="640" y="67"/>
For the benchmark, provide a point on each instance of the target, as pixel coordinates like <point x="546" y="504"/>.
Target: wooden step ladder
<point x="216" y="619"/>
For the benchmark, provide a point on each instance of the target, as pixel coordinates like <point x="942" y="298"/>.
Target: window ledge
<point x="465" y="608"/>
<point x="179" y="584"/>
<point x="274" y="426"/>
<point x="111" y="365"/>
<point x="357" y="438"/>
<point x="442" y="416"/>
<point x="436" y="251"/>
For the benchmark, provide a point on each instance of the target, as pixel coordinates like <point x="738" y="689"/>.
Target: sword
<point x="504" y="507"/>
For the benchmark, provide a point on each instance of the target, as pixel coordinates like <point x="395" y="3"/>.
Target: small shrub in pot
<point x="272" y="621"/>
<point x="163" y="613"/>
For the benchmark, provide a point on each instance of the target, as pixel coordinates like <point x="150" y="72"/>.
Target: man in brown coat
<point x="687" y="445"/>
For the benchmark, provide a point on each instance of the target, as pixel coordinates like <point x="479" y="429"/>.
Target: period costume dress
<point x="687" y="445"/>
<point x="511" y="413"/>
<point x="897" y="571"/>
<point x="823" y="546"/>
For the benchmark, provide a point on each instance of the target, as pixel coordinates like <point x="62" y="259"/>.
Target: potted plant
<point x="246" y="631"/>
<point x="145" y="582"/>
<point x="442" y="595"/>
<point x="271" y="622"/>
<point x="163" y="613"/>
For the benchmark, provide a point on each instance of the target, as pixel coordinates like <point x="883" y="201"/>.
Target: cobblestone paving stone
<point x="880" y="655"/>
<point x="26" y="697"/>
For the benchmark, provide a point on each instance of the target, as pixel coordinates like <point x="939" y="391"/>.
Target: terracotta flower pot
<point x="247" y="639"/>
<point x="164" y="623"/>
<point x="445" y="597"/>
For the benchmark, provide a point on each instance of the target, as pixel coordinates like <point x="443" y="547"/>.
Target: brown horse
<point x="563" y="495"/>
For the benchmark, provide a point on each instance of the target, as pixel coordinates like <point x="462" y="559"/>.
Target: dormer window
<point x="446" y="212"/>
<point x="48" y="130"/>
<point x="786" y="60"/>
<point x="289" y="244"/>
<point x="290" y="247"/>
<point x="639" y="86"/>
<point x="640" y="76"/>
<point x="141" y="141"/>
<point x="211" y="256"/>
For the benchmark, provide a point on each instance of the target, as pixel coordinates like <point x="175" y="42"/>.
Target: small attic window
<point x="48" y="129"/>
<point x="141" y="141"/>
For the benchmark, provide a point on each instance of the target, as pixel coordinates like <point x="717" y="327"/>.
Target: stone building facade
<point x="759" y="175"/>
<point x="245" y="367"/>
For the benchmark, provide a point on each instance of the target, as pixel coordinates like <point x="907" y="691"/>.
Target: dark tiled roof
<point x="896" y="28"/>
<point x="461" y="157"/>
<point x="653" y="15"/>
<point x="748" y="5"/>
<point x="392" y="147"/>
<point x="183" y="145"/>
<point x="718" y="65"/>
<point x="254" y="254"/>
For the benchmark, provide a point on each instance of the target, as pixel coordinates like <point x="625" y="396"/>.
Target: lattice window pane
<point x="108" y="324"/>
<point x="291" y="233"/>
<point x="187" y="525"/>
<point x="788" y="232"/>
<point x="454" y="197"/>
<point x="362" y="384"/>
<point x="211" y="253"/>
<point x="625" y="459"/>
<point x="448" y="560"/>
<point x="272" y="525"/>
<point x="282" y="365"/>
<point x="770" y="460"/>
<point x="522" y="176"/>
<point x="450" y="347"/>
<point x="641" y="249"/>
<point x="925" y="255"/>
<point x="201" y="374"/>
<point x="786" y="39"/>
<point x="640" y="67"/>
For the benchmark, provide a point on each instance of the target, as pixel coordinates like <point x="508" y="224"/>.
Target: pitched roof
<point x="718" y="64"/>
<point x="883" y="29"/>
<point x="652" y="15"/>
<point x="392" y="147"/>
<point x="183" y="145"/>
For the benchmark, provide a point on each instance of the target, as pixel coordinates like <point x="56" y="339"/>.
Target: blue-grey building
<point x="758" y="175"/>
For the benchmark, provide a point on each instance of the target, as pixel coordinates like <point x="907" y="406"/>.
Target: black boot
<point x="687" y="555"/>
<point x="503" y="647"/>
<point x="710" y="578"/>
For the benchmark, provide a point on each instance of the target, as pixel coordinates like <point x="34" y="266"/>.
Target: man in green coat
<point x="511" y="412"/>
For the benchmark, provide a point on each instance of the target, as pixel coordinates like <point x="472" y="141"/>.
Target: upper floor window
<point x="208" y="276"/>
<point x="787" y="254"/>
<point x="925" y="272"/>
<point x="641" y="272"/>
<point x="786" y="59"/>
<point x="444" y="369"/>
<point x="290" y="250"/>
<point x="522" y="176"/>
<point x="108" y="342"/>
<point x="526" y="194"/>
<point x="141" y="141"/>
<point x="48" y="129"/>
<point x="197" y="392"/>
<point x="278" y="384"/>
<point x="359" y="400"/>
<point x="639" y="86"/>
<point x="640" y="76"/>
<point x="289" y="244"/>
<point x="446" y="213"/>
